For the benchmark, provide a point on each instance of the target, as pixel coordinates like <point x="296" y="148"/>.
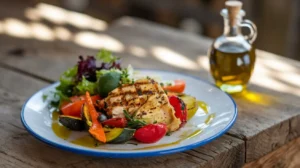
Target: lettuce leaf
<point x="86" y="85"/>
<point x="99" y="73"/>
<point x="68" y="77"/>
<point x="67" y="82"/>
<point x="106" y="56"/>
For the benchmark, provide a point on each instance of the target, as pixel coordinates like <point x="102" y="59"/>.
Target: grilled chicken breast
<point x="146" y="100"/>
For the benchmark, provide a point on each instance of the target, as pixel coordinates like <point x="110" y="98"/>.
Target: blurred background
<point x="278" y="21"/>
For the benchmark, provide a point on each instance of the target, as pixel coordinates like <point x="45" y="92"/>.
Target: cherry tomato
<point x="150" y="133"/>
<point x="180" y="109"/>
<point x="115" y="122"/>
<point x="178" y="87"/>
<point x="74" y="107"/>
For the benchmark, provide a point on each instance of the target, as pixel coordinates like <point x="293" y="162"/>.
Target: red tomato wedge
<point x="178" y="87"/>
<point x="115" y="122"/>
<point x="151" y="133"/>
<point x="96" y="129"/>
<point x="180" y="109"/>
<point x="74" y="107"/>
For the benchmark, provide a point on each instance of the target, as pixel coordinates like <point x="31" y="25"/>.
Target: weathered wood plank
<point x="222" y="157"/>
<point x="58" y="56"/>
<point x="261" y="114"/>
<point x="18" y="148"/>
<point x="19" y="84"/>
<point x="264" y="118"/>
<point x="286" y="156"/>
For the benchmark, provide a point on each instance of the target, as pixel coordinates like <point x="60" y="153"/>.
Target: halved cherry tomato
<point x="150" y="133"/>
<point x="116" y="122"/>
<point x="74" y="107"/>
<point x="178" y="87"/>
<point x="180" y="109"/>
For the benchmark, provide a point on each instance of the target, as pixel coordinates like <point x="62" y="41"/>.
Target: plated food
<point x="118" y="105"/>
<point x="66" y="114"/>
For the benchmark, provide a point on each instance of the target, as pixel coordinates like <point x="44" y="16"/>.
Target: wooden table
<point x="265" y="134"/>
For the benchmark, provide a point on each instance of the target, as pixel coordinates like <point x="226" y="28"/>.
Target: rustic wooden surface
<point x="20" y="149"/>
<point x="264" y="127"/>
<point x="286" y="156"/>
<point x="269" y="116"/>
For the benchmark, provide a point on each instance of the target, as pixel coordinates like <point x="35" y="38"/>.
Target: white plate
<point x="36" y="118"/>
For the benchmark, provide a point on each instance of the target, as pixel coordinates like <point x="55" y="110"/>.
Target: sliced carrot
<point x="96" y="129"/>
<point x="178" y="87"/>
<point x="73" y="108"/>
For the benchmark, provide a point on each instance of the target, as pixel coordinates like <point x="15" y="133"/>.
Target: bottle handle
<point x="253" y="30"/>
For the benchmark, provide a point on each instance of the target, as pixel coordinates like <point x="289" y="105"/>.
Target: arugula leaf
<point x="86" y="85"/>
<point x="106" y="56"/>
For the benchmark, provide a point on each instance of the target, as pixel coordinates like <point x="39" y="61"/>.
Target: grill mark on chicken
<point x="146" y="99"/>
<point x="135" y="92"/>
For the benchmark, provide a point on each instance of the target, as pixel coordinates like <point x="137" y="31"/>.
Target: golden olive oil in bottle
<point x="232" y="56"/>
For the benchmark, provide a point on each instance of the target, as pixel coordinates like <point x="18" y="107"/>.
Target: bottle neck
<point x="232" y="29"/>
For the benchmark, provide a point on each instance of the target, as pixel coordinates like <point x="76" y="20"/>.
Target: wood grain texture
<point x="19" y="84"/>
<point x="19" y="149"/>
<point x="267" y="118"/>
<point x="265" y="113"/>
<point x="286" y="156"/>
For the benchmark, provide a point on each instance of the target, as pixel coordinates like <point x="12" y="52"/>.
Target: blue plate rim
<point x="102" y="153"/>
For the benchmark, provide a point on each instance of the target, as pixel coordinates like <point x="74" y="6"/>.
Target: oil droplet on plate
<point x="61" y="131"/>
<point x="203" y="106"/>
<point x="86" y="141"/>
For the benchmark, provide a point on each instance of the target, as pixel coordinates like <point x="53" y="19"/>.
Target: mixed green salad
<point x="115" y="105"/>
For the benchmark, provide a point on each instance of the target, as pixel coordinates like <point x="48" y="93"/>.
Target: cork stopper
<point x="233" y="8"/>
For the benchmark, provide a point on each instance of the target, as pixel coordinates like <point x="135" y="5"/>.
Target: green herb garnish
<point x="133" y="123"/>
<point x="125" y="77"/>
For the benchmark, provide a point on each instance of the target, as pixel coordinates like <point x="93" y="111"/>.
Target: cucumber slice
<point x="118" y="135"/>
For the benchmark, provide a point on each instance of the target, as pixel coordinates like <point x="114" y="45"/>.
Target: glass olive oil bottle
<point x="232" y="56"/>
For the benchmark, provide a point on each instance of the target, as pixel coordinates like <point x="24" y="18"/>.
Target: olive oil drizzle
<point x="209" y="118"/>
<point x="88" y="141"/>
<point x="195" y="133"/>
<point x="59" y="130"/>
<point x="203" y="106"/>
